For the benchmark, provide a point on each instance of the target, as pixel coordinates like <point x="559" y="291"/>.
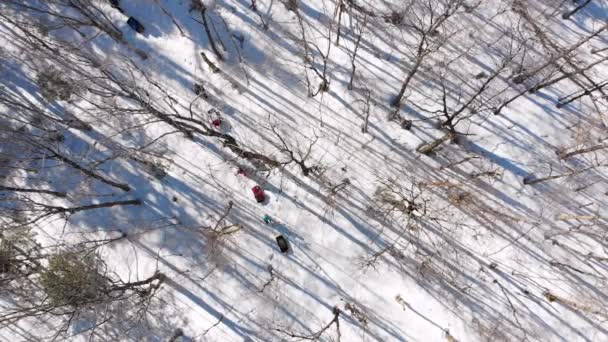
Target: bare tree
<point x="361" y="29"/>
<point x="316" y="335"/>
<point x="520" y="78"/>
<point x="566" y="75"/>
<point x="310" y="57"/>
<point x="458" y="107"/>
<point x="74" y="14"/>
<point x="203" y="10"/>
<point x="532" y="179"/>
<point x="296" y="154"/>
<point x="565" y="155"/>
<point x="583" y="4"/>
<point x="424" y="20"/>
<point x="579" y="94"/>
<point x="553" y="298"/>
<point x="554" y="49"/>
<point x="40" y="148"/>
<point x="74" y="283"/>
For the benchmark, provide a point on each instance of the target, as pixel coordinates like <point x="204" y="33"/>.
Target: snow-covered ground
<point x="407" y="246"/>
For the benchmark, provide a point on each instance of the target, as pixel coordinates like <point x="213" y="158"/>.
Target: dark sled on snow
<point x="135" y="25"/>
<point x="283" y="245"/>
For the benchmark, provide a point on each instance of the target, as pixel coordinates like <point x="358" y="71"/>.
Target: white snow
<point x="476" y="268"/>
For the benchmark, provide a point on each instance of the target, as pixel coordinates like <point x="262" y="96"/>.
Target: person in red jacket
<point x="258" y="193"/>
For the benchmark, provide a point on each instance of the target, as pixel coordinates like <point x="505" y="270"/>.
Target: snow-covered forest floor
<point x="437" y="168"/>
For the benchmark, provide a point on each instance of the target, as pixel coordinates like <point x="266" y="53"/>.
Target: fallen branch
<point x="48" y="192"/>
<point x="315" y="336"/>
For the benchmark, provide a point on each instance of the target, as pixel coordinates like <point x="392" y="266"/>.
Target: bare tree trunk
<point x="354" y="66"/>
<point x="131" y="285"/>
<point x="73" y="210"/>
<point x="300" y="160"/>
<point x="208" y="31"/>
<point x="578" y="8"/>
<point x="211" y="65"/>
<point x="339" y="9"/>
<point x="397" y="102"/>
<point x="316" y="336"/>
<point x="574" y="305"/>
<point x="361" y="9"/>
<point x="254" y="8"/>
<point x="545" y="40"/>
<point x="430" y="147"/>
<point x="595" y="51"/>
<point x="48" y="192"/>
<point x="563" y="155"/>
<point x="507" y="102"/>
<point x="566" y="75"/>
<point x="189" y="125"/>
<point x="86" y="171"/>
<point x="522" y="77"/>
<point x="530" y="180"/>
<point x="227" y="140"/>
<point x="449" y="122"/>
<point x="168" y="14"/>
<point x="91" y="16"/>
<point x="367" y="111"/>
<point x="308" y="55"/>
<point x="56" y="155"/>
<point x="597" y="87"/>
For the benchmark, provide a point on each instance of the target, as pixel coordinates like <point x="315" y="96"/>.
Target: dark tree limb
<point x="123" y="287"/>
<point x="300" y="160"/>
<point x="576" y="9"/>
<point x="315" y="336"/>
<point x="585" y="92"/>
<point x="566" y="75"/>
<point x="208" y="31"/>
<point x="73" y="210"/>
<point x="48" y="192"/>
<point x="531" y="180"/>
<point x="564" y="155"/>
<point x="58" y="156"/>
<point x="562" y="53"/>
<point x="354" y="57"/>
